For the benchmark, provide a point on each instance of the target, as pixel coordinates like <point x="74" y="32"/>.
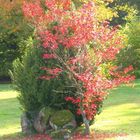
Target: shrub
<point x="8" y="52"/>
<point x="130" y="55"/>
<point x="25" y="75"/>
<point x="77" y="45"/>
<point x="36" y="93"/>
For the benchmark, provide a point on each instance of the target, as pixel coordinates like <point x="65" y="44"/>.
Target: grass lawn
<point x="121" y="113"/>
<point x="9" y="111"/>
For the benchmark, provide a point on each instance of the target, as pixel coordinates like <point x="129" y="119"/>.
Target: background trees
<point x="130" y="55"/>
<point x="15" y="30"/>
<point x="125" y="12"/>
<point x="14" y="34"/>
<point x="134" y="3"/>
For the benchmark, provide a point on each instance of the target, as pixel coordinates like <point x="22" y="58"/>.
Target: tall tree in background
<point x="14" y="30"/>
<point x="125" y="10"/>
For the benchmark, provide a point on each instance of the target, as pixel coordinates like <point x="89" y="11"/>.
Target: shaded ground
<point x="5" y="80"/>
<point x="120" y="119"/>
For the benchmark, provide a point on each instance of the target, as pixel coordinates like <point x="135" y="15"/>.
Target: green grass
<point x="121" y="112"/>
<point x="9" y="111"/>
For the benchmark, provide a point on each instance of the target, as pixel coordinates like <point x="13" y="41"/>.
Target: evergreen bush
<point x="25" y="75"/>
<point x="36" y="93"/>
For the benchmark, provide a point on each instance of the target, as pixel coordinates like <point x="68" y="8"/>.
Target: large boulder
<point x="62" y="119"/>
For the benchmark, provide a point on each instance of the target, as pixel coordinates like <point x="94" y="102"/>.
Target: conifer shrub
<point x="36" y="93"/>
<point x="25" y="75"/>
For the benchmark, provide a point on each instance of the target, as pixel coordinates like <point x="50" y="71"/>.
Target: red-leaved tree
<point x="83" y="48"/>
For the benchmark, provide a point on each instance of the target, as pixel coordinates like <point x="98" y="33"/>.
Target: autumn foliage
<point x="83" y="48"/>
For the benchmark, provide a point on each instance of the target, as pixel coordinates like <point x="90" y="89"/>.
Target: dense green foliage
<point x="25" y="76"/>
<point x="14" y="35"/>
<point x="130" y="55"/>
<point x="124" y="10"/>
<point x="135" y="3"/>
<point x="12" y="46"/>
<point x="35" y="92"/>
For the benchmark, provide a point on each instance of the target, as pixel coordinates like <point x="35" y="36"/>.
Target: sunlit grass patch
<point x="9" y="110"/>
<point x="121" y="112"/>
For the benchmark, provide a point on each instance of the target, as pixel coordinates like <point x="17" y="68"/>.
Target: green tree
<point x="130" y="55"/>
<point x="124" y="10"/>
<point x="14" y="34"/>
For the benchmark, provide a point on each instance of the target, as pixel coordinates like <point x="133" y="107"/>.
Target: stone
<point x="41" y="122"/>
<point x="26" y="125"/>
<point x="62" y="119"/>
<point x="72" y="124"/>
<point x="47" y="112"/>
<point x="53" y="126"/>
<point x="61" y="134"/>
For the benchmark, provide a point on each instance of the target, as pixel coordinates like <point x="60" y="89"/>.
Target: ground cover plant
<point x="119" y="117"/>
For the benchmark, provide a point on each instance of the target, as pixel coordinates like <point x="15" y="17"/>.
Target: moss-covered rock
<point x="54" y="121"/>
<point x="47" y="112"/>
<point x="61" y="118"/>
